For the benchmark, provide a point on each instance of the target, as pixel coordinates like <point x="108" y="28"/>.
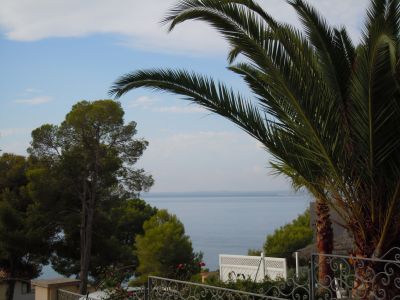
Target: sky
<point x="54" y="53"/>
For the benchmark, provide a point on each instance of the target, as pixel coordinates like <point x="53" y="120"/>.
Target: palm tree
<point x="326" y="110"/>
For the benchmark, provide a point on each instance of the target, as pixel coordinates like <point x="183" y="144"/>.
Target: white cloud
<point x="34" y="100"/>
<point x="338" y="12"/>
<point x="180" y="109"/>
<point x="144" y="102"/>
<point x="150" y="103"/>
<point x="209" y="160"/>
<point x="6" y="132"/>
<point x="138" y="22"/>
<point x="167" y="147"/>
<point x="32" y="90"/>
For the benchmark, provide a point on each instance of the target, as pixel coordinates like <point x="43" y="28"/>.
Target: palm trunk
<point x="11" y="282"/>
<point x="324" y="242"/>
<point x="378" y="277"/>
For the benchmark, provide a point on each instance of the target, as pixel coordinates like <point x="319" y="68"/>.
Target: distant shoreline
<point x="222" y="194"/>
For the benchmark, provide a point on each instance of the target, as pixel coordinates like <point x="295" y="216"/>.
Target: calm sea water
<point x="231" y="224"/>
<point x="227" y="223"/>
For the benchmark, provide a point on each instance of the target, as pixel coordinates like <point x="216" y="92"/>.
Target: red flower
<point x="202" y="264"/>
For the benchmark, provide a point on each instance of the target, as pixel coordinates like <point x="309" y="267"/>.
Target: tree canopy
<point x="290" y="238"/>
<point x="24" y="243"/>
<point x="80" y="166"/>
<point x="116" y="225"/>
<point x="165" y="250"/>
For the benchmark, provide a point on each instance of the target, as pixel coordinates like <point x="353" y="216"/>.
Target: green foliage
<point x="116" y="226"/>
<point x="24" y="242"/>
<point x="165" y="250"/>
<point x="289" y="238"/>
<point x="267" y="287"/>
<point x="254" y="252"/>
<point x="83" y="173"/>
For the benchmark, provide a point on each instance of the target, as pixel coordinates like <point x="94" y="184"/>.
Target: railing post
<point x="263" y="264"/>
<point x="312" y="277"/>
<point x="148" y="289"/>
<point x="297" y="264"/>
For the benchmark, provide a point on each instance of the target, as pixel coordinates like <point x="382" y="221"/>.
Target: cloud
<point x="150" y="103"/>
<point x="202" y="136"/>
<point x="180" y="109"/>
<point x="138" y="22"/>
<point x="7" y="132"/>
<point x="35" y="100"/>
<point x="211" y="140"/>
<point x="32" y="90"/>
<point x="209" y="160"/>
<point x="337" y="12"/>
<point x="144" y="102"/>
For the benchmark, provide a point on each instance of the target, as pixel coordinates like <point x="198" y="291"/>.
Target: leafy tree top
<point x="164" y="249"/>
<point x="290" y="237"/>
<point x="24" y="242"/>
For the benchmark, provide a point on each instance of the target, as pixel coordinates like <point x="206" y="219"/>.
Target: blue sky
<point x="54" y="53"/>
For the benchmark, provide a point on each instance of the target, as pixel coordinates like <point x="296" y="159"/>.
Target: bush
<point x="165" y="250"/>
<point x="254" y="252"/>
<point x="276" y="288"/>
<point x="290" y="238"/>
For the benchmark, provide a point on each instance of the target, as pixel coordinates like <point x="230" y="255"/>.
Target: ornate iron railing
<point x="139" y="293"/>
<point x="67" y="295"/>
<point x="170" y="289"/>
<point x="350" y="277"/>
<point x="354" y="277"/>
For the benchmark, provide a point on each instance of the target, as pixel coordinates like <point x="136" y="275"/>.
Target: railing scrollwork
<point x="350" y="277"/>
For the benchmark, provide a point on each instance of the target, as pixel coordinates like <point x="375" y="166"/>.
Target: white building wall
<point x="233" y="267"/>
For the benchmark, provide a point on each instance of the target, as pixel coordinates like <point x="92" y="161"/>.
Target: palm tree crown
<point x="326" y="109"/>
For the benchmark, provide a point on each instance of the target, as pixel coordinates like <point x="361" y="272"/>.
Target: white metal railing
<point x="257" y="268"/>
<point x="165" y="288"/>
<point x="68" y="295"/>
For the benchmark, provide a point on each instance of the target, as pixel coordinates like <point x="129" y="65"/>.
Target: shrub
<point x="165" y="250"/>
<point x="290" y="238"/>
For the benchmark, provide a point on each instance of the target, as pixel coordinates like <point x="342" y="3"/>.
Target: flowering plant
<point x="202" y="265"/>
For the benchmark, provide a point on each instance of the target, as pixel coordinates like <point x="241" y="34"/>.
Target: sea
<point x="226" y="222"/>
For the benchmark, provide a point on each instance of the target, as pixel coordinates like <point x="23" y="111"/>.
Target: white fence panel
<point x="233" y="267"/>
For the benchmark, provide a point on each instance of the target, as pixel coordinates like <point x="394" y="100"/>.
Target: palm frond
<point x="373" y="90"/>
<point x="325" y="109"/>
<point x="335" y="61"/>
<point x="393" y="17"/>
<point x="202" y="90"/>
<point x="376" y="11"/>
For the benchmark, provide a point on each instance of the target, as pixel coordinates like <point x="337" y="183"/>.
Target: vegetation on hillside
<point x="290" y="238"/>
<point x="24" y="242"/>
<point x="165" y="250"/>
